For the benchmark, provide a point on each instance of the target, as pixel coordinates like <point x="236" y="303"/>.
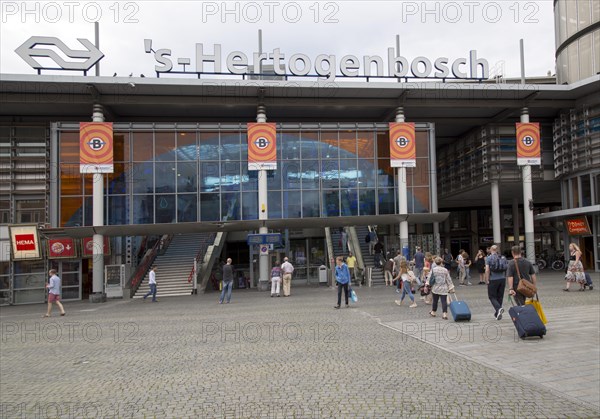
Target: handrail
<point x="201" y="252"/>
<point x="146" y="262"/>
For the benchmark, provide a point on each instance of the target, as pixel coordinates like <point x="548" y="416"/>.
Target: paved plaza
<point x="297" y="357"/>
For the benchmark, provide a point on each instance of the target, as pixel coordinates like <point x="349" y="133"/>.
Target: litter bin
<point x="322" y="274"/>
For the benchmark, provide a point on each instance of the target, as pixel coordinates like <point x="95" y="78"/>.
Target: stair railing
<point x="146" y="263"/>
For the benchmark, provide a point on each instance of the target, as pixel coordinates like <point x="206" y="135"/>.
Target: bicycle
<point x="558" y="264"/>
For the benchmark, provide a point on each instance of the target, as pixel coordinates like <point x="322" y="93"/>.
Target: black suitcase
<point x="526" y="321"/>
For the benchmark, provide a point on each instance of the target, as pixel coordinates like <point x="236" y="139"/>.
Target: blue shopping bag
<point x="353" y="296"/>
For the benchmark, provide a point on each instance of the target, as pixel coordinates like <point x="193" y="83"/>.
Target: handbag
<point x="353" y="296"/>
<point x="538" y="308"/>
<point x="525" y="287"/>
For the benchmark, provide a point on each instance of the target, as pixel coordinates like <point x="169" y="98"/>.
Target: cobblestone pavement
<point x="296" y="357"/>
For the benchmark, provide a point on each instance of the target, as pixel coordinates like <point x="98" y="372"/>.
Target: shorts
<point x="53" y="297"/>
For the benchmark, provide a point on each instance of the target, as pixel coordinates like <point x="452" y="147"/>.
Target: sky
<point x="431" y="29"/>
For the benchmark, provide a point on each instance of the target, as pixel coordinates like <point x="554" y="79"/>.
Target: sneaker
<point x="499" y="314"/>
<point x="413" y="305"/>
<point x="272" y="295"/>
<point x="398" y="302"/>
<point x="397" y="290"/>
<point x="468" y="283"/>
<point x="278" y="295"/>
<point x="336" y="306"/>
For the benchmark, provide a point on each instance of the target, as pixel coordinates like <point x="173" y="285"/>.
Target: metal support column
<point x="98" y="221"/>
<point x="496" y="213"/>
<point x="515" y="216"/>
<point x="263" y="210"/>
<point x="528" y="202"/>
<point x="402" y="196"/>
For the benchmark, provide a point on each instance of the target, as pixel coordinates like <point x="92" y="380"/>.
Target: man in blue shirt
<point x="342" y="277"/>
<point x="419" y="261"/>
<point x="54" y="293"/>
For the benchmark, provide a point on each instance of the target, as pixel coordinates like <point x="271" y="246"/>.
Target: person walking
<point x="460" y="267"/>
<point x="480" y="265"/>
<point x="372" y="240"/>
<point x="351" y="262"/>
<point x="388" y="272"/>
<point x="275" y="280"/>
<point x="447" y="256"/>
<point x="441" y="285"/>
<point x="344" y="239"/>
<point x="152" y="284"/>
<point x="419" y="261"/>
<point x="288" y="269"/>
<point x="496" y="272"/>
<point x="378" y="249"/>
<point x="54" y="289"/>
<point x="519" y="268"/>
<point x="342" y="279"/>
<point x="407" y="278"/>
<point x="575" y="271"/>
<point x="227" y="282"/>
<point x="467" y="263"/>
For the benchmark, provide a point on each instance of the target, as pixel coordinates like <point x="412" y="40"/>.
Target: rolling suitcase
<point x="526" y="321"/>
<point x="459" y="309"/>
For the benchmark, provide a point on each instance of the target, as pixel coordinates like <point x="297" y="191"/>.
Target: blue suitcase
<point x="459" y="309"/>
<point x="526" y="321"/>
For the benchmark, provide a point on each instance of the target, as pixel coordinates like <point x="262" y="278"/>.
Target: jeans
<point x="418" y="272"/>
<point x="444" y="299"/>
<point x="151" y="292"/>
<point x="227" y="285"/>
<point x="345" y="287"/>
<point x="377" y="260"/>
<point x="406" y="290"/>
<point x="496" y="293"/>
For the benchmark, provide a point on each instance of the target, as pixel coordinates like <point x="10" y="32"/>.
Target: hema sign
<point x="237" y="62"/>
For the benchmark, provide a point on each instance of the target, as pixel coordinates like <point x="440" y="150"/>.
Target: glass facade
<point x="201" y="174"/>
<point x="577" y="38"/>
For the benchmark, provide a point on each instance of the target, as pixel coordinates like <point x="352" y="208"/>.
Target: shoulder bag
<point x="525" y="287"/>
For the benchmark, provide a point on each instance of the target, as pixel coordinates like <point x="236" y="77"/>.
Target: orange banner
<point x="96" y="147"/>
<point x="403" y="149"/>
<point x="262" y="146"/>
<point x="528" y="144"/>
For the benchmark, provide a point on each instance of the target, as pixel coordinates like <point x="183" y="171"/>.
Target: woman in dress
<point x="575" y="269"/>
<point x="480" y="264"/>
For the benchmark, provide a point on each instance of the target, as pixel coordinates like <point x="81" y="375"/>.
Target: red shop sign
<point x="578" y="226"/>
<point x="61" y="248"/>
<point x="87" y="247"/>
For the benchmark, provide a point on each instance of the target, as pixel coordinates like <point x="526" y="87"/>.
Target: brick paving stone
<point x="275" y="358"/>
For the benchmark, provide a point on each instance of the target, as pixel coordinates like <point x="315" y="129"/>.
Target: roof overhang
<point x="246" y="225"/>
<point x="593" y="209"/>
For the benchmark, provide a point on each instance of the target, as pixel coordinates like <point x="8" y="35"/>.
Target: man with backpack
<point x="495" y="269"/>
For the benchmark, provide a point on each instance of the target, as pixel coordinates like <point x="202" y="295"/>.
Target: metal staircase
<point x="376" y="273"/>
<point x="173" y="267"/>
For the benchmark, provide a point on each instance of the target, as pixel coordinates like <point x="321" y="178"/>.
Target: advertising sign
<point x="25" y="242"/>
<point x="528" y="144"/>
<point x="403" y="149"/>
<point x="262" y="150"/>
<point x="578" y="226"/>
<point x="63" y="248"/>
<point x="96" y="147"/>
<point x="87" y="247"/>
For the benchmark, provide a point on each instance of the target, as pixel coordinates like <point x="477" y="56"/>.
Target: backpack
<point x="368" y="238"/>
<point x="498" y="263"/>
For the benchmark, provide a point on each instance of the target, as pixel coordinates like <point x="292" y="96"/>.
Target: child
<point x="426" y="290"/>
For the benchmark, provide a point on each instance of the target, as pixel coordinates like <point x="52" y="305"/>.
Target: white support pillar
<point x="496" y="213"/>
<point x="402" y="195"/>
<point x="528" y="203"/>
<point x="98" y="221"/>
<point x="515" y="216"/>
<point x="263" y="209"/>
